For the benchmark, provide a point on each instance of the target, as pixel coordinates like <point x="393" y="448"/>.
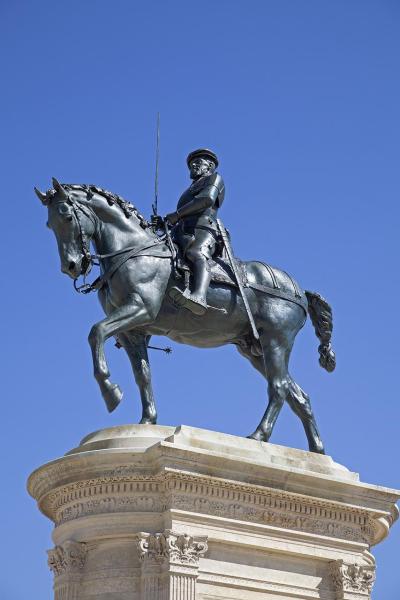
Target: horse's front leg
<point x="132" y="314"/>
<point x="135" y="346"/>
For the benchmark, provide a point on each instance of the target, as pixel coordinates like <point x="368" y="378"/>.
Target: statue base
<point x="177" y="513"/>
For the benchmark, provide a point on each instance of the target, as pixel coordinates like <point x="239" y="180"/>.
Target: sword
<point x="236" y="273"/>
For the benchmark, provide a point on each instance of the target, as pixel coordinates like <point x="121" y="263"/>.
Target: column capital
<point x="179" y="548"/>
<point x="352" y="578"/>
<point x="68" y="558"/>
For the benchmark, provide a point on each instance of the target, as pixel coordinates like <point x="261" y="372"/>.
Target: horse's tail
<point x="321" y="317"/>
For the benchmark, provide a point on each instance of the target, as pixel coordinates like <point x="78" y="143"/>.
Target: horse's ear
<point x="59" y="188"/>
<point x="42" y="196"/>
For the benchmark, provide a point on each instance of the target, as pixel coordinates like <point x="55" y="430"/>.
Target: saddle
<point x="221" y="271"/>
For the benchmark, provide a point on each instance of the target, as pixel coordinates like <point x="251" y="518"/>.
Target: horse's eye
<point x="65" y="212"/>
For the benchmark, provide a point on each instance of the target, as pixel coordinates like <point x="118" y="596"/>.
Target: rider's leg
<point x="201" y="279"/>
<point x="199" y="254"/>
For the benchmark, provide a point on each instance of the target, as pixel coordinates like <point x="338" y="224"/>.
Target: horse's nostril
<point x="71" y="265"/>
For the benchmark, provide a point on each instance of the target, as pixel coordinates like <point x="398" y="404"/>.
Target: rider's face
<point x="199" y="167"/>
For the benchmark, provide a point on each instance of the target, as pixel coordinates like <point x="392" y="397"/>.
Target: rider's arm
<point x="204" y="199"/>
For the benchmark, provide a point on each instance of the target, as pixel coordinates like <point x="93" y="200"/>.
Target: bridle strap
<point x="89" y="259"/>
<point x="85" y="244"/>
<point x="128" y="253"/>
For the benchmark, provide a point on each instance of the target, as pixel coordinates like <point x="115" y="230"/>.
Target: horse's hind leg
<point x="281" y="387"/>
<point x="135" y="346"/>
<point x="299" y="402"/>
<point x="256" y="361"/>
<point x="274" y="367"/>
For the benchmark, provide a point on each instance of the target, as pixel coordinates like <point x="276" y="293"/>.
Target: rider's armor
<point x="196" y="232"/>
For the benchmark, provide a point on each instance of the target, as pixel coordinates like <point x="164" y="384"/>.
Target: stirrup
<point x="195" y="305"/>
<point x="176" y="294"/>
<point x="184" y="299"/>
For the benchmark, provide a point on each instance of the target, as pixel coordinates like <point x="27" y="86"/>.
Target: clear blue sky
<point x="300" y="99"/>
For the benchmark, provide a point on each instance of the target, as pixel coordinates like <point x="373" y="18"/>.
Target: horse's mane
<point x="127" y="208"/>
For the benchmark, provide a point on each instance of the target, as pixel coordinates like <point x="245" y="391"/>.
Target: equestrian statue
<point x="177" y="276"/>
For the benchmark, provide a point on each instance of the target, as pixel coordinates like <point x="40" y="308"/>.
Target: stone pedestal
<point x="163" y="513"/>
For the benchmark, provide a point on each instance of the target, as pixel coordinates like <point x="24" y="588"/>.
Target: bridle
<point x="88" y="259"/>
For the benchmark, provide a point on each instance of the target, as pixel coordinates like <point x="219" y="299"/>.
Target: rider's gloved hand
<point x="157" y="222"/>
<point x="172" y="218"/>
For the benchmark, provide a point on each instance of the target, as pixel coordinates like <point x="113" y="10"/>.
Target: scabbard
<point x="236" y="274"/>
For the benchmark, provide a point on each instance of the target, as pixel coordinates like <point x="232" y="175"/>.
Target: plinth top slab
<point x="139" y="438"/>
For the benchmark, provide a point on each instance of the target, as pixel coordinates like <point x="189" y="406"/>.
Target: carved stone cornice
<point x="68" y="558"/>
<point x="124" y="492"/>
<point x="173" y="547"/>
<point x="352" y="577"/>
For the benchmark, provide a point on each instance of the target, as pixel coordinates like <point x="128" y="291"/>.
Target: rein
<point x="99" y="282"/>
<point x="89" y="259"/>
<point x="127" y="253"/>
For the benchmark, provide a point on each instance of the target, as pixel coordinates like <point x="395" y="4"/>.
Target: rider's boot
<point x="195" y="301"/>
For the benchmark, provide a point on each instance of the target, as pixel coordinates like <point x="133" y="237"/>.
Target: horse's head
<point x="73" y="224"/>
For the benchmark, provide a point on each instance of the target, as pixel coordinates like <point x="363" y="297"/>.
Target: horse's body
<point x="136" y="302"/>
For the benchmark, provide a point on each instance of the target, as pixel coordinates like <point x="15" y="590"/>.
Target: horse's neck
<point x="114" y="235"/>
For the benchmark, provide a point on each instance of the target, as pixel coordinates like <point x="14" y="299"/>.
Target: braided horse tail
<point x="321" y="317"/>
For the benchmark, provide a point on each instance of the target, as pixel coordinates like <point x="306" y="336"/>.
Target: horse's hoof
<point x="257" y="435"/>
<point x="148" y="421"/>
<point x="113" y="397"/>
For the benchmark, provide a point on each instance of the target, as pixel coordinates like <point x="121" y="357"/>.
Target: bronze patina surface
<point x="185" y="283"/>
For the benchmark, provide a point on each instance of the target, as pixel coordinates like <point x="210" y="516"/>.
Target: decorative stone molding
<point x="170" y="563"/>
<point x="352" y="577"/>
<point x="267" y="506"/>
<point x="68" y="558"/>
<point x="174" y="547"/>
<point x="67" y="563"/>
<point x="208" y="495"/>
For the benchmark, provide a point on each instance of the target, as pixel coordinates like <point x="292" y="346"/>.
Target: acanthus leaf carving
<point x="174" y="547"/>
<point x="352" y="577"/>
<point x="68" y="558"/>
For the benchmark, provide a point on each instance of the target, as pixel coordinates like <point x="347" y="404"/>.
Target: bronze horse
<point x="137" y="269"/>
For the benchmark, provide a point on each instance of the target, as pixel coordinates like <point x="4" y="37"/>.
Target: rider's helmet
<point x="202" y="153"/>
